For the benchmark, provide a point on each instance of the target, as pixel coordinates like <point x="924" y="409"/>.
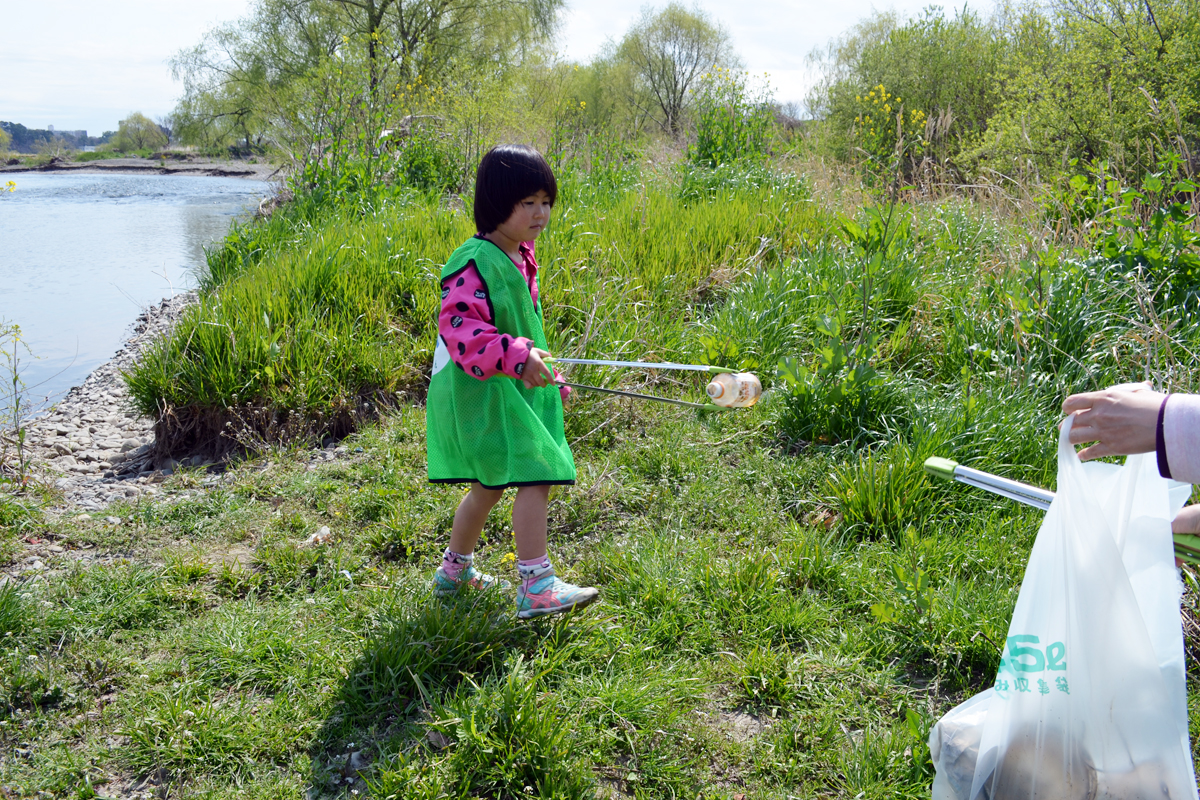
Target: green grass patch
<point x="788" y="603"/>
<point x="317" y="327"/>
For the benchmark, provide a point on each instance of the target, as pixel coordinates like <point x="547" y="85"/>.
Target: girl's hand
<point x="1120" y="420"/>
<point x="536" y="374"/>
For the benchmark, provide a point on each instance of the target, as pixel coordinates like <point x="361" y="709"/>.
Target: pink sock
<point x="530" y="569"/>
<point x="454" y="563"/>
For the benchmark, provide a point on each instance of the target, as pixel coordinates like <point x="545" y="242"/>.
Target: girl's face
<point x="528" y="219"/>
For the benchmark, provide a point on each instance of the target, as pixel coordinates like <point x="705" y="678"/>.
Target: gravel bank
<point x="175" y="165"/>
<point x="93" y="445"/>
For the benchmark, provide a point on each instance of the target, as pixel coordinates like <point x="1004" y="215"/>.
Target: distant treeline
<point x="1023" y="92"/>
<point x="26" y="140"/>
<point x="1030" y="92"/>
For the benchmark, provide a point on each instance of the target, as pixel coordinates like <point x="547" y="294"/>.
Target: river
<point x="81" y="255"/>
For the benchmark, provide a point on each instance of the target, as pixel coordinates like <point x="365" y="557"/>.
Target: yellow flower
<point x="508" y="559"/>
<point x="11" y="186"/>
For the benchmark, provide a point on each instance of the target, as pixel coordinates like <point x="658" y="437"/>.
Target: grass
<point x="788" y="604"/>
<point x="222" y="691"/>
<point x="319" y="324"/>
<point x="736" y="649"/>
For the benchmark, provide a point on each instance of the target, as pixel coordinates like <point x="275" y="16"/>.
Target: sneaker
<point x="444" y="585"/>
<point x="551" y="595"/>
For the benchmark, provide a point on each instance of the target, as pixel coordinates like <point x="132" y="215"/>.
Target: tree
<point x="945" y="68"/>
<point x="668" y="52"/>
<point x="137" y="132"/>
<point x="422" y="36"/>
<point x="5" y="141"/>
<point x="1100" y="79"/>
<point x="258" y="78"/>
<point x="54" y="147"/>
<point x="166" y="124"/>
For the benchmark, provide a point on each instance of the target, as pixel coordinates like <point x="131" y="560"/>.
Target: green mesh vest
<point x="495" y="431"/>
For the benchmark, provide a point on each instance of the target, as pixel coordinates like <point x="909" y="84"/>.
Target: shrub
<point x="1149" y="229"/>
<point x="138" y="132"/>
<point x="425" y="162"/>
<point x="733" y="121"/>
<point x="883" y="127"/>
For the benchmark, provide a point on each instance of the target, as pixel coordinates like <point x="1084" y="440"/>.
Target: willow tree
<point x="237" y="78"/>
<point x="298" y="62"/>
<point x="423" y="37"/>
<point x="1101" y="79"/>
<point x="668" y="51"/>
<point x="138" y="132"/>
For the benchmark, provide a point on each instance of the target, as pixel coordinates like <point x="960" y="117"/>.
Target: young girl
<point x="494" y="414"/>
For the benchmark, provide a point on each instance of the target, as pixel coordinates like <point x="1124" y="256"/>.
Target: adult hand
<point x="1121" y="420"/>
<point x="536" y="374"/>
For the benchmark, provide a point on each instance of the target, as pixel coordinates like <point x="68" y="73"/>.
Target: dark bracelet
<point x="1160" y="444"/>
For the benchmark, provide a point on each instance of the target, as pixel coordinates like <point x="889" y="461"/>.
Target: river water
<point x="81" y="255"/>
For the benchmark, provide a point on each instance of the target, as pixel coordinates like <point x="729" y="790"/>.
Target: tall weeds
<point x="314" y="321"/>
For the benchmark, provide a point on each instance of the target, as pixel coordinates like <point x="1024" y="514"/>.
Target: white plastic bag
<point x="1090" y="700"/>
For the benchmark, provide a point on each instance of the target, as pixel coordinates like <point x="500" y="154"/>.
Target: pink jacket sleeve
<point x="467" y="324"/>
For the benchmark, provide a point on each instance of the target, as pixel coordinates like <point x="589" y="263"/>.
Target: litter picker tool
<point x="1013" y="490"/>
<point x="1187" y="546"/>
<point x="703" y="406"/>
<point x="727" y="389"/>
<point x="596" y="362"/>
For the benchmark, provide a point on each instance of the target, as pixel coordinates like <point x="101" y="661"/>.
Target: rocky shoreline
<point x="92" y="445"/>
<point x="174" y="165"/>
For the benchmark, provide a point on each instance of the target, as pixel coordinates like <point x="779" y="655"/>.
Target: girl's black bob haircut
<point x="507" y="175"/>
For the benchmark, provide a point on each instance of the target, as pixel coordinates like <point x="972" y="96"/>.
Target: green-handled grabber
<point x="1187" y="545"/>
<point x="1013" y="490"/>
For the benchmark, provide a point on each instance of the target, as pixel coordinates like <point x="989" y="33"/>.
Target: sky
<point x="87" y="65"/>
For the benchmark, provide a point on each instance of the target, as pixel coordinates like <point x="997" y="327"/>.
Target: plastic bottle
<point x="740" y="390"/>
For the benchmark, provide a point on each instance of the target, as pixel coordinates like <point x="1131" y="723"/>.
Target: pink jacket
<point x="475" y="342"/>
